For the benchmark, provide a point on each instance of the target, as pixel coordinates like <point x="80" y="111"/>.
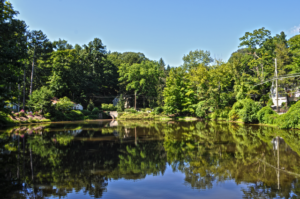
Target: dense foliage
<point x="34" y="69"/>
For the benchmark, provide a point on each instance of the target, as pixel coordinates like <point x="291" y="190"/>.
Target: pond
<point x="147" y="159"/>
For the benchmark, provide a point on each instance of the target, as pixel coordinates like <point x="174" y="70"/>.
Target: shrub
<point x="246" y="110"/>
<point x="64" y="104"/>
<point x="30" y="120"/>
<point x="290" y="119"/>
<point x="86" y="112"/>
<point x="148" y="109"/>
<point x="158" y="110"/>
<point x="95" y="111"/>
<point x="22" y="113"/>
<point x="108" y="107"/>
<point x="93" y="117"/>
<point x="47" y="115"/>
<point x="202" y="109"/>
<point x="270" y="102"/>
<point x="130" y="110"/>
<point x="59" y="116"/>
<point x="264" y="114"/>
<point x="220" y="113"/>
<point x="121" y="104"/>
<point x="41" y="99"/>
<point x="75" y="115"/>
<point x="90" y="106"/>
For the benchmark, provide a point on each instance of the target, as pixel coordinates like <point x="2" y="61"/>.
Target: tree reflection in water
<point x="57" y="159"/>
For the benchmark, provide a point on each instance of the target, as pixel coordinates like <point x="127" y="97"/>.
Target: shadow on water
<point x="54" y="160"/>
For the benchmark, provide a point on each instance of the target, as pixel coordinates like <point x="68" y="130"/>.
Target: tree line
<point x="33" y="65"/>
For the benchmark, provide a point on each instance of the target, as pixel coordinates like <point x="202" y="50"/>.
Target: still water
<point x="135" y="159"/>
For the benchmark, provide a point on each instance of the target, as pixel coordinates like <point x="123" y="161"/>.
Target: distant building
<point x="288" y="95"/>
<point x="13" y="106"/>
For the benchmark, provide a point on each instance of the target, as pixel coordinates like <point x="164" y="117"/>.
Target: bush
<point x="47" y="115"/>
<point x="92" y="117"/>
<point x="4" y="119"/>
<point x="148" y="110"/>
<point x="158" y="110"/>
<point x="108" y="107"/>
<point x="266" y="115"/>
<point x="270" y="102"/>
<point x="130" y="110"/>
<point x="220" y="113"/>
<point x="22" y="113"/>
<point x="95" y="111"/>
<point x="86" y="112"/>
<point x="246" y="110"/>
<point x="59" y="116"/>
<point x="90" y="106"/>
<point x="64" y="104"/>
<point x="41" y="99"/>
<point x="290" y="119"/>
<point x="121" y="104"/>
<point x="202" y="109"/>
<point x="75" y="115"/>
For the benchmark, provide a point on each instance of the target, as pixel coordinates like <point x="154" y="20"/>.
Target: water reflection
<point x="86" y="157"/>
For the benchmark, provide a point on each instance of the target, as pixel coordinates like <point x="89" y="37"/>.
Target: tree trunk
<point x="19" y="91"/>
<point x="31" y="79"/>
<point x="24" y="86"/>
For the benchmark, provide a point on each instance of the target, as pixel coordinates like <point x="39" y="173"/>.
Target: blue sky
<point x="160" y="28"/>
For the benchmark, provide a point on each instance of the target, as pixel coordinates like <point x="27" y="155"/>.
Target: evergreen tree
<point x="161" y="64"/>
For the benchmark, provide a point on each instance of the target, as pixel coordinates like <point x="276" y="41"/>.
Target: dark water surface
<point x="135" y="159"/>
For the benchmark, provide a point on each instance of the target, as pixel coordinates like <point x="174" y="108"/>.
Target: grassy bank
<point x="14" y="119"/>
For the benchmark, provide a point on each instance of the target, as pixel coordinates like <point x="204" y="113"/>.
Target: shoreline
<point x="130" y="119"/>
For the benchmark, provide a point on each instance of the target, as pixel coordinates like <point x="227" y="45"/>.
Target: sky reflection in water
<point x="149" y="160"/>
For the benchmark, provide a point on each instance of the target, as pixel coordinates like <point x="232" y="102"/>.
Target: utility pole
<point x="135" y="100"/>
<point x="276" y="85"/>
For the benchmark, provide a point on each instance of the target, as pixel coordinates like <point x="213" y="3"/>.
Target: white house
<point x="282" y="98"/>
<point x="77" y="107"/>
<point x="12" y="106"/>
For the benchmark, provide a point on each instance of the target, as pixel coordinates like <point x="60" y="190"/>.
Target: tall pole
<point x="276" y="85"/>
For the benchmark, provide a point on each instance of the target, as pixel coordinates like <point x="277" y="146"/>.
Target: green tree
<point x="39" y="46"/>
<point x="64" y="104"/>
<point x="161" y="64"/>
<point x="62" y="45"/>
<point x="194" y="58"/>
<point x="40" y="99"/>
<point x="294" y="49"/>
<point x="12" y="52"/>
<point x="142" y="78"/>
<point x="179" y="95"/>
